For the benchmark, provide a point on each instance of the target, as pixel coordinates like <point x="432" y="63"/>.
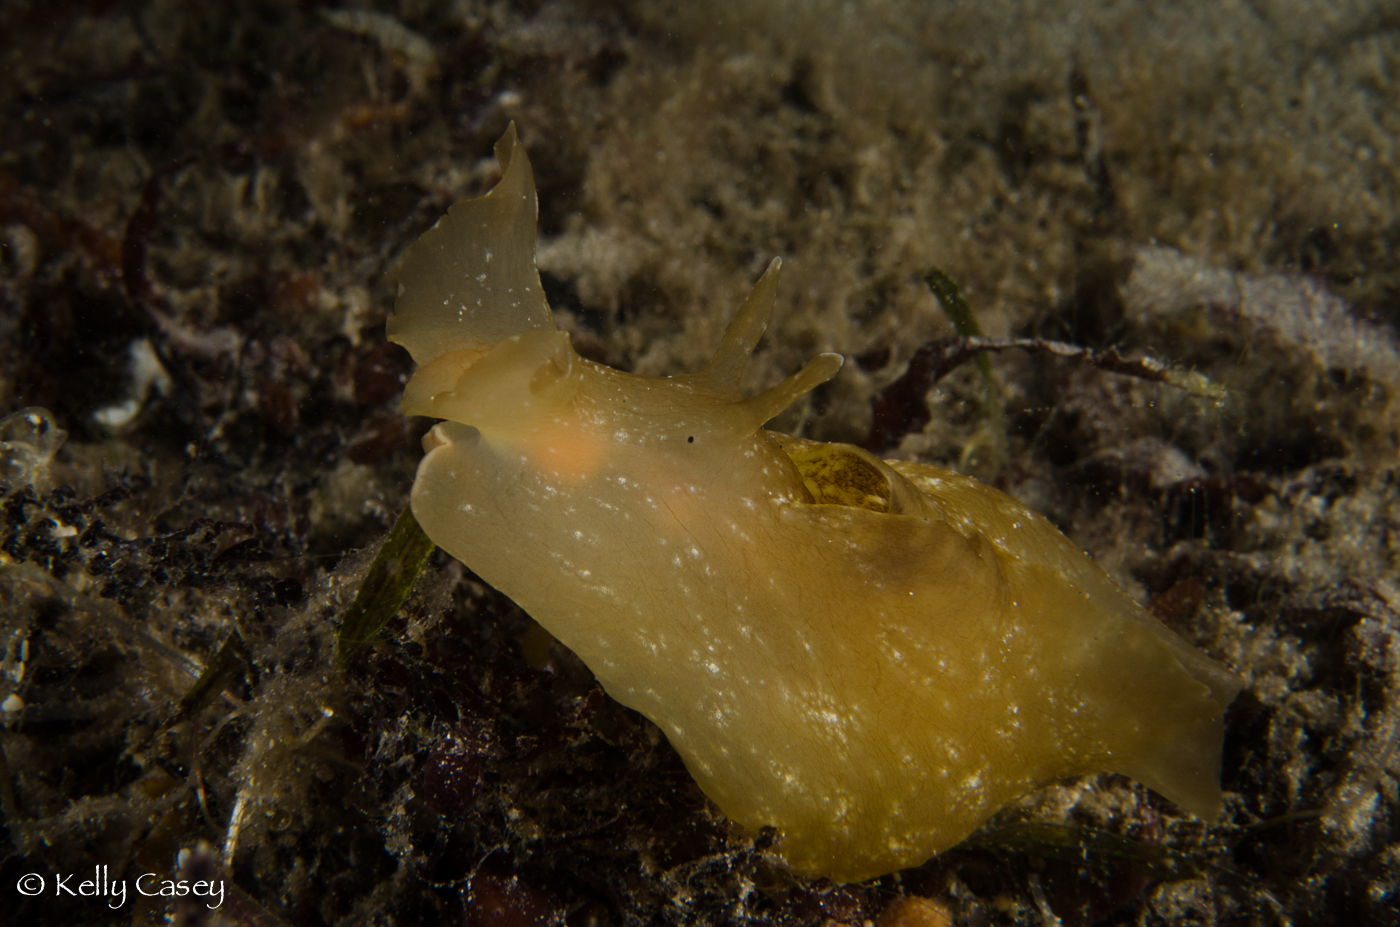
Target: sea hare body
<point x="872" y="657"/>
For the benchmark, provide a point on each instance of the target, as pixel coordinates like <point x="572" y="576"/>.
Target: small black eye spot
<point x="690" y="440"/>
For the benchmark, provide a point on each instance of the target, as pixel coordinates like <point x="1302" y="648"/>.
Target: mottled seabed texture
<point x="202" y="212"/>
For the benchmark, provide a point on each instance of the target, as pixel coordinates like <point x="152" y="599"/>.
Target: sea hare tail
<point x="1183" y="766"/>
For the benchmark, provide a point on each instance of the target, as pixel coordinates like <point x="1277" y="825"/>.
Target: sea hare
<point x="871" y="656"/>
